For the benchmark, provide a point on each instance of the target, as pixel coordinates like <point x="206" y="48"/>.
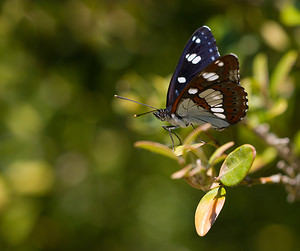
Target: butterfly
<point x="204" y="88"/>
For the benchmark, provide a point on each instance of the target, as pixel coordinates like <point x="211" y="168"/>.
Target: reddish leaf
<point x="209" y="209"/>
<point x="182" y="172"/>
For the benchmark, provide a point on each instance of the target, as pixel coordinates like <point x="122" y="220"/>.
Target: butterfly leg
<point x="214" y="141"/>
<point x="169" y="129"/>
<point x="201" y="141"/>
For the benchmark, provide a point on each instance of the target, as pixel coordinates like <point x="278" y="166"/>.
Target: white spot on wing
<point x="207" y="75"/>
<point x="192" y="90"/>
<point x="213" y="97"/>
<point x="213" y="78"/>
<point x="191" y="57"/>
<point x="216" y="103"/>
<point x="205" y="93"/>
<point x="214" y="94"/>
<point x="194" y="37"/>
<point x="210" y="99"/>
<point x="234" y="75"/>
<point x="187" y="55"/>
<point x="220" y="64"/>
<point x="220" y="115"/>
<point x="198" y="41"/>
<point x="196" y="60"/>
<point x="181" y="80"/>
<point x="217" y="109"/>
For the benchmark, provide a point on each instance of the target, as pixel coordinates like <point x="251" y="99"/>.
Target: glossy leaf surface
<point x="157" y="148"/>
<point x="237" y="164"/>
<point x="209" y="209"/>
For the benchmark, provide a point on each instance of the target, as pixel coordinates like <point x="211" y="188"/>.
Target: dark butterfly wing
<point x="200" y="51"/>
<point x="214" y="96"/>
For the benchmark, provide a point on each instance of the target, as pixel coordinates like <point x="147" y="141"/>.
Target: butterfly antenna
<point x="120" y="97"/>
<point x="140" y="114"/>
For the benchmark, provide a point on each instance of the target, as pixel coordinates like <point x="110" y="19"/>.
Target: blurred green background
<point x="70" y="177"/>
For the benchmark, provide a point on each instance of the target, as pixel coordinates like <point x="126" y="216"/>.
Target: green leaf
<point x="290" y="15"/>
<point x="180" y="150"/>
<point x="237" y="164"/>
<point x="275" y="35"/>
<point x="209" y="209"/>
<point x="260" y="71"/>
<point x="283" y="68"/>
<point x="297" y="142"/>
<point x="156" y="148"/>
<point x="217" y="154"/>
<point x="277" y="109"/>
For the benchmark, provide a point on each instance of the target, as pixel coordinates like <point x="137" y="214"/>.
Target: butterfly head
<point x="172" y="118"/>
<point x="162" y="114"/>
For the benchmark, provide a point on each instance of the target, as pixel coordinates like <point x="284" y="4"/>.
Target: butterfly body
<point x="205" y="88"/>
<point x="172" y="118"/>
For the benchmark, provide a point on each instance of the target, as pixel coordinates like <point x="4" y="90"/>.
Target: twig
<point x="289" y="165"/>
<point x="281" y="145"/>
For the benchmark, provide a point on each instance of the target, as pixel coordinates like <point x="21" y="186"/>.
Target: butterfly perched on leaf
<point x="205" y="87"/>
